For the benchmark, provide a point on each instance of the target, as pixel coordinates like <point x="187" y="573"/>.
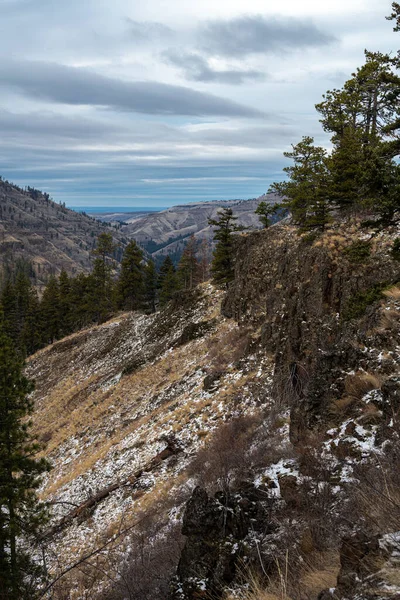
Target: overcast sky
<point x="167" y="101"/>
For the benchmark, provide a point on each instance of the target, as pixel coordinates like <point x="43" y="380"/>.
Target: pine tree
<point x="150" y="286"/>
<point x="204" y="260"/>
<point x="102" y="290"/>
<point x="363" y="118"/>
<point x="31" y="334"/>
<point x="10" y="310"/>
<point x="265" y="212"/>
<point x="64" y="304"/>
<point x="307" y="193"/>
<point x="50" y="312"/>
<point x="188" y="267"/>
<point x="167" y="281"/>
<point x="222" y="266"/>
<point x="130" y="286"/>
<point x="21" y="514"/>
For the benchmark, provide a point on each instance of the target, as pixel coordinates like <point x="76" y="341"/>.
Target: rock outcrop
<point x="314" y="300"/>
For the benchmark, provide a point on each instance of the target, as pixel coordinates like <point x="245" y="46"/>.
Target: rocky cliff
<point x="234" y="452"/>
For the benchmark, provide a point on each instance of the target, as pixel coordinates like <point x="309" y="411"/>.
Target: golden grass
<point x="360" y="383"/>
<point x="393" y="293"/>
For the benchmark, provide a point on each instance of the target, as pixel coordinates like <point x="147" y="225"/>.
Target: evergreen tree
<point x="130" y="286"/>
<point x="10" y="310"/>
<point x="50" y="312"/>
<point x="64" y="304"/>
<point x="204" y="260"/>
<point x="222" y="266"/>
<point x="188" y="267"/>
<point x="265" y="212"/>
<point x="307" y="191"/>
<point x="167" y="281"/>
<point x="363" y="117"/>
<point x="83" y="310"/>
<point x="31" y="334"/>
<point x="102" y="290"/>
<point x="150" y="286"/>
<point x="21" y="514"/>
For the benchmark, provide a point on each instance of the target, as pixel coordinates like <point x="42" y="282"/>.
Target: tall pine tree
<point x="222" y="266"/>
<point x="21" y="513"/>
<point x="188" y="268"/>
<point x="130" y="285"/>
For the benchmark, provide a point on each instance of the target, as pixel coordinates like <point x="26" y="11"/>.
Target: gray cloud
<point x="148" y="31"/>
<point x="40" y="124"/>
<point x="70" y="85"/>
<point x="255" y="34"/>
<point x="196" y="68"/>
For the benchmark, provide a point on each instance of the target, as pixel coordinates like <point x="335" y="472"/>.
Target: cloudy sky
<point x="167" y="101"/>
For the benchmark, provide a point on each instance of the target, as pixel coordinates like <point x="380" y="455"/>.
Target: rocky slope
<point x="46" y="234"/>
<point x="270" y="430"/>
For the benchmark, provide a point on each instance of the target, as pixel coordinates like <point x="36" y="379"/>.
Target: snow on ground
<point x="103" y="422"/>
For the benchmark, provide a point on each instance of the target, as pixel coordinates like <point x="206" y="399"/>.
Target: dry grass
<point x="360" y="383"/>
<point x="389" y="318"/>
<point x="393" y="293"/>
<point x="342" y="405"/>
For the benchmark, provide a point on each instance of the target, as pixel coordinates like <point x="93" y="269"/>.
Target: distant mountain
<point x="35" y="229"/>
<point x="166" y="232"/>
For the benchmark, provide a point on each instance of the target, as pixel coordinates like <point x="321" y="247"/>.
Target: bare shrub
<point x="225" y="458"/>
<point x="291" y="382"/>
<point x="229" y="348"/>
<point x="150" y="565"/>
<point x="375" y="494"/>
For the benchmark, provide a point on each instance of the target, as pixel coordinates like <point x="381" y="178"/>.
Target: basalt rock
<point x="302" y="296"/>
<point x="370" y="568"/>
<point x="217" y="529"/>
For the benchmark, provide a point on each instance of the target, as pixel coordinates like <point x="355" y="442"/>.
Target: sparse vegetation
<point x="357" y="306"/>
<point x="358" y="252"/>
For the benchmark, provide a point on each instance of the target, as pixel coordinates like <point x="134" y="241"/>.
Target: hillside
<point x="199" y="442"/>
<point x="167" y="231"/>
<point x="48" y="235"/>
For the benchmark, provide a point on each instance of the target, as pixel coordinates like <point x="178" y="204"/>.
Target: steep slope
<point x="124" y="408"/>
<point x="268" y="431"/>
<point x="48" y="235"/>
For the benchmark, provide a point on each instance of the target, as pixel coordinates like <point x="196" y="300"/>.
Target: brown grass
<point x="393" y="293"/>
<point x="389" y="318"/>
<point x="361" y="383"/>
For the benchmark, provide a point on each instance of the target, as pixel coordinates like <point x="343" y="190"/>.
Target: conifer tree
<point x="102" y="290"/>
<point x="167" y="281"/>
<point x="21" y="513"/>
<point x="222" y="266"/>
<point x="188" y="267"/>
<point x="150" y="286"/>
<point x="31" y="334"/>
<point x="130" y="286"/>
<point x="265" y="212"/>
<point x="10" y="309"/>
<point x="307" y="193"/>
<point x="64" y="304"/>
<point x="50" y="311"/>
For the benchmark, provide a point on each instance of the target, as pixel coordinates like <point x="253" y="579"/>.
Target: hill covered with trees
<point x="48" y="236"/>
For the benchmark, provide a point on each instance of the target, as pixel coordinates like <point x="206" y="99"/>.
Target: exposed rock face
<point x="370" y="568"/>
<point x="216" y="530"/>
<point x="302" y="294"/>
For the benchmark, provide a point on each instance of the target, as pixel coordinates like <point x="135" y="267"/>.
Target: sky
<point x="164" y="102"/>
